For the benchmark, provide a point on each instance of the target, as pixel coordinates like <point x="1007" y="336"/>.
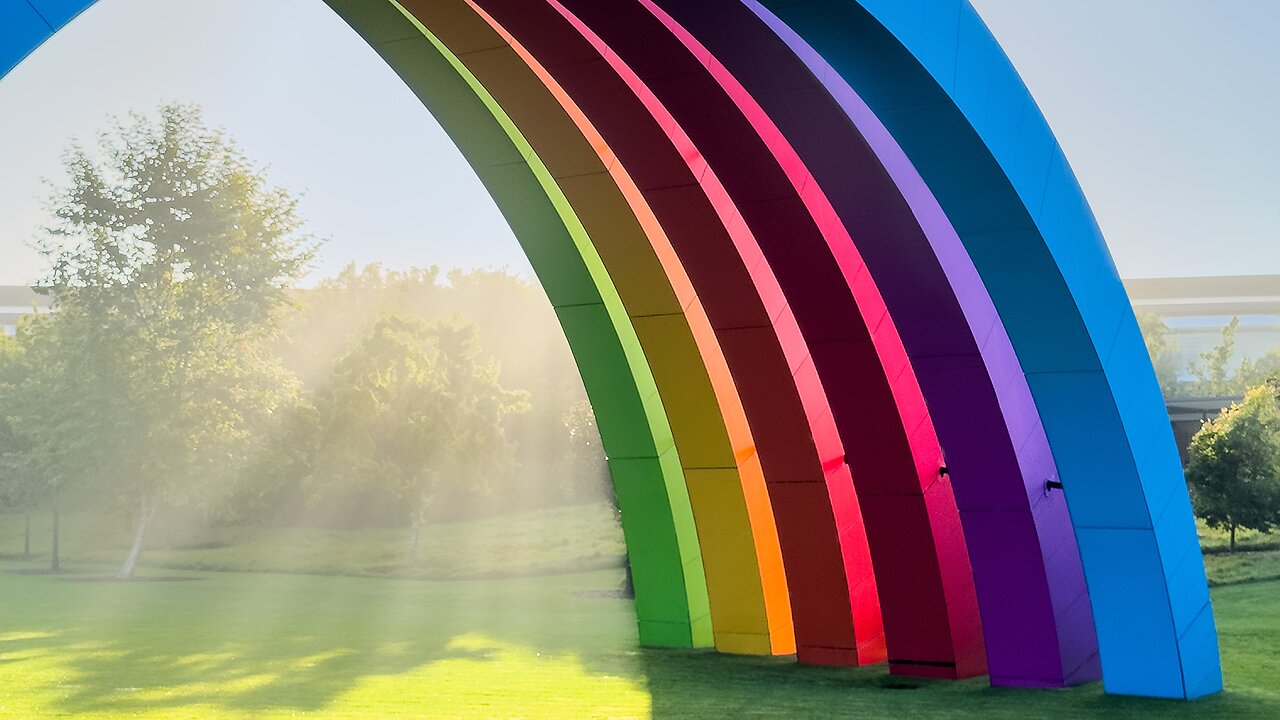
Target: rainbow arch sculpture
<point x="867" y="379"/>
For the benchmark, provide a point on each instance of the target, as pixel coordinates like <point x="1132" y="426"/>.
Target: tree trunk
<point x="135" y="552"/>
<point x="55" y="561"/>
<point x="1233" y="538"/>
<point x="26" y="537"/>
<point x="415" y="532"/>
<point x="418" y="518"/>
<point x="628" y="582"/>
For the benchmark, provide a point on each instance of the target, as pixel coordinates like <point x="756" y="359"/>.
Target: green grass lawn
<point x="254" y="645"/>
<point x="498" y="620"/>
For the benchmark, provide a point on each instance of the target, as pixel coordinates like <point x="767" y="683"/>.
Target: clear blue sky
<point x="1166" y="108"/>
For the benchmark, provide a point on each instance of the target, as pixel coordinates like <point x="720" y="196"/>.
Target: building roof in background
<point x="20" y="298"/>
<point x="1200" y="408"/>
<point x="1223" y="295"/>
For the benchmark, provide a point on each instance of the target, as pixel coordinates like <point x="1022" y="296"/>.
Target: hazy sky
<point x="1166" y="108"/>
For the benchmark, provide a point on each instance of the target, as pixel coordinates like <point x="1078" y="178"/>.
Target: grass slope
<point x="1257" y="556"/>
<point x="228" y="645"/>
<point x="555" y="540"/>
<point x="539" y="542"/>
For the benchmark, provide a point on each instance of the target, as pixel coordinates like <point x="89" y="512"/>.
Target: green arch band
<point x="672" y="606"/>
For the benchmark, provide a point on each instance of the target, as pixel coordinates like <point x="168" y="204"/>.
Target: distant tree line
<point x="182" y="370"/>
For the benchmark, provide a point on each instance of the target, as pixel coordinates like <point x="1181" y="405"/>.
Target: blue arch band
<point x="934" y="75"/>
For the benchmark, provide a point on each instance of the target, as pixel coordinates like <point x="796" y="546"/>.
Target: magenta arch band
<point x="910" y="143"/>
<point x="1036" y="618"/>
<point x="830" y="579"/>
<point x="917" y="548"/>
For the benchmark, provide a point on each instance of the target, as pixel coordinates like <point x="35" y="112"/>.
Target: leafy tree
<point x="1254" y="372"/>
<point x="413" y="406"/>
<point x="16" y="489"/>
<point x="171" y="261"/>
<point x="45" y="456"/>
<point x="1213" y="376"/>
<point x="513" y="322"/>
<point x="339" y="311"/>
<point x="583" y="470"/>
<point x="1234" y="467"/>
<point x="1163" y="350"/>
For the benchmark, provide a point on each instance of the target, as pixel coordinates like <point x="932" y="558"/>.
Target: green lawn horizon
<point x="510" y="615"/>
<point x="260" y="645"/>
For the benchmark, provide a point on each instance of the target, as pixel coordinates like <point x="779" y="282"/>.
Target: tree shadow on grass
<point x="253" y="645"/>
<point x="264" y="643"/>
